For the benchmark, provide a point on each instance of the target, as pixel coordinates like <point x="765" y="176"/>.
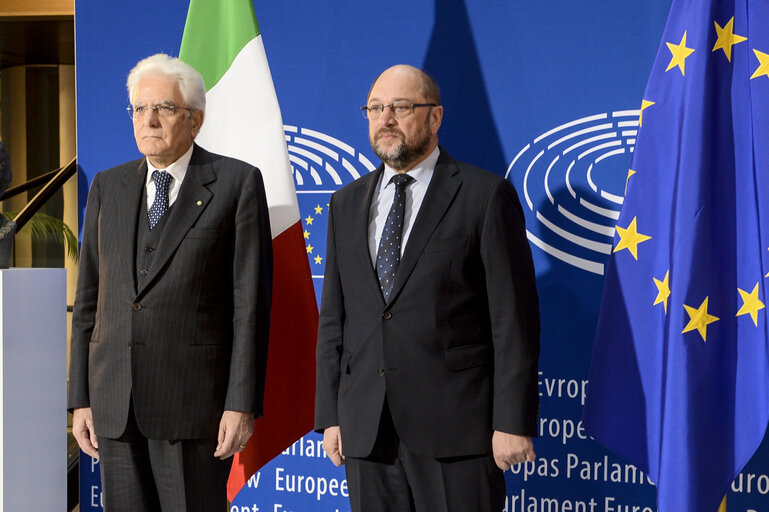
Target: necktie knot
<point x="162" y="181"/>
<point x="401" y="180"/>
<point x="159" y="206"/>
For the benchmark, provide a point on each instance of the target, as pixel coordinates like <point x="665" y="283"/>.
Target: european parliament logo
<point x="574" y="178"/>
<point x="321" y="164"/>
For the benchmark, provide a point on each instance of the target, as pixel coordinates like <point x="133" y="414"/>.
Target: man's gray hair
<point x="190" y="81"/>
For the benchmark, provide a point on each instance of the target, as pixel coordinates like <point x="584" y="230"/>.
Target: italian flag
<point x="222" y="41"/>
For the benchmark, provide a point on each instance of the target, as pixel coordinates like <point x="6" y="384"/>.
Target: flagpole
<point x="722" y="508"/>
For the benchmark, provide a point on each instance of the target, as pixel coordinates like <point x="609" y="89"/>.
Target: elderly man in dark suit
<point x="428" y="340"/>
<point x="171" y="319"/>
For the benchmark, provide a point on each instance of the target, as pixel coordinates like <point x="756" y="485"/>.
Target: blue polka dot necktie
<point x="388" y="256"/>
<point x="160" y="204"/>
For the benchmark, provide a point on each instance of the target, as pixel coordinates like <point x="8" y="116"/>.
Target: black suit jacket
<point x="192" y="341"/>
<point x="455" y="350"/>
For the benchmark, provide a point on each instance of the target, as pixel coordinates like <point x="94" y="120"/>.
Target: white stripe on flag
<point x="243" y="121"/>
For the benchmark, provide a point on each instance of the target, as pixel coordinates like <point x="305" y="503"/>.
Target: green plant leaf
<point x="45" y="227"/>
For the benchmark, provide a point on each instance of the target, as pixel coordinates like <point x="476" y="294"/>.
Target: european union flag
<point x="679" y="383"/>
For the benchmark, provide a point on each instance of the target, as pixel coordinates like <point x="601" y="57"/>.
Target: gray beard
<point x="402" y="155"/>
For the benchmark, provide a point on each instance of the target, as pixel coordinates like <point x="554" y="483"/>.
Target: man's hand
<point x="235" y="429"/>
<point x="82" y="429"/>
<point x="510" y="449"/>
<point x="332" y="445"/>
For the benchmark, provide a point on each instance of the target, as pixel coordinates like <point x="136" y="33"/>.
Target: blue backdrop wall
<point x="545" y="93"/>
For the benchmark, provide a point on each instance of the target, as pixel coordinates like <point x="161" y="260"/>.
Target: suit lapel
<point x="128" y="215"/>
<point x="443" y="187"/>
<point x="363" y="195"/>
<point x="193" y="198"/>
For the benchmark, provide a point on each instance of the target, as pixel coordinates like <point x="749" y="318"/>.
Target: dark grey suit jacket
<point x="456" y="348"/>
<point x="192" y="341"/>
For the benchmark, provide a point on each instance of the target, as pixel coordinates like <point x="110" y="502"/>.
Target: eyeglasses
<point x="398" y="109"/>
<point x="163" y="110"/>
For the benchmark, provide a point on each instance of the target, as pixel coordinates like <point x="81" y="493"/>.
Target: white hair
<point x="191" y="83"/>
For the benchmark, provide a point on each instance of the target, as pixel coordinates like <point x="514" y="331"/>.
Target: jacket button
<point x="143" y="272"/>
<point x="381" y="372"/>
<point x="137" y="306"/>
<point x="387" y="315"/>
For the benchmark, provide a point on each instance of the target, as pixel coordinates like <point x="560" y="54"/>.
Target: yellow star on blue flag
<point x="727" y="38"/>
<point x="679" y="53"/>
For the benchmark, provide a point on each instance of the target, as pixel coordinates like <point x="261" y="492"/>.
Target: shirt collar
<point x="422" y="172"/>
<point x="178" y="169"/>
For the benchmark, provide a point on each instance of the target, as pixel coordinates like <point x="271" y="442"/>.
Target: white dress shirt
<point x="177" y="169"/>
<point x="383" y="200"/>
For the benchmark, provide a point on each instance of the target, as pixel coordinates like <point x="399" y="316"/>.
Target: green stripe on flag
<point x="214" y="34"/>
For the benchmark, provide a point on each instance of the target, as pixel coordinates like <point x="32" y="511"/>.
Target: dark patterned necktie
<point x="388" y="256"/>
<point x="160" y="204"/>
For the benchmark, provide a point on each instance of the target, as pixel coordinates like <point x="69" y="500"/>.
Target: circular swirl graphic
<point x="573" y="182"/>
<point x="319" y="160"/>
<point x="321" y="164"/>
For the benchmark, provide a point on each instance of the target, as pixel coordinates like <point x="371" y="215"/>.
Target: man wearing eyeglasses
<point x="428" y="341"/>
<point x="171" y="318"/>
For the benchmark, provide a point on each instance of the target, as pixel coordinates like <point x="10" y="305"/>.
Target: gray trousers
<point x="147" y="475"/>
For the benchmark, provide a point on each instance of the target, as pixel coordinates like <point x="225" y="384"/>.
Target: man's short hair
<point x="190" y="82"/>
<point x="430" y="89"/>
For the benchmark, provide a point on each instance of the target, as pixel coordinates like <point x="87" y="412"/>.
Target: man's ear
<point x="436" y="117"/>
<point x="197" y="121"/>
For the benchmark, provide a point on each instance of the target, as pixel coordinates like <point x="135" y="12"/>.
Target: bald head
<point x="421" y="80"/>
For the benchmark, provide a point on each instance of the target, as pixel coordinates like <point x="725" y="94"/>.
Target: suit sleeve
<point x="252" y="296"/>
<point x="330" y="336"/>
<point x="514" y="313"/>
<point x="86" y="299"/>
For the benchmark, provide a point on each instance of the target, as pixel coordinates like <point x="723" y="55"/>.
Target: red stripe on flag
<point x="290" y="387"/>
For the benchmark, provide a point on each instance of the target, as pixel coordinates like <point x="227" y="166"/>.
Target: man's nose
<point x="388" y="116"/>
<point x="152" y="118"/>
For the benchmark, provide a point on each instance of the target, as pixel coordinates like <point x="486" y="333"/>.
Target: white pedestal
<point x="33" y="383"/>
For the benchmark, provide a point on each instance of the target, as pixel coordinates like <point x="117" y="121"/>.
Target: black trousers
<point x="147" y="475"/>
<point x="395" y="479"/>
